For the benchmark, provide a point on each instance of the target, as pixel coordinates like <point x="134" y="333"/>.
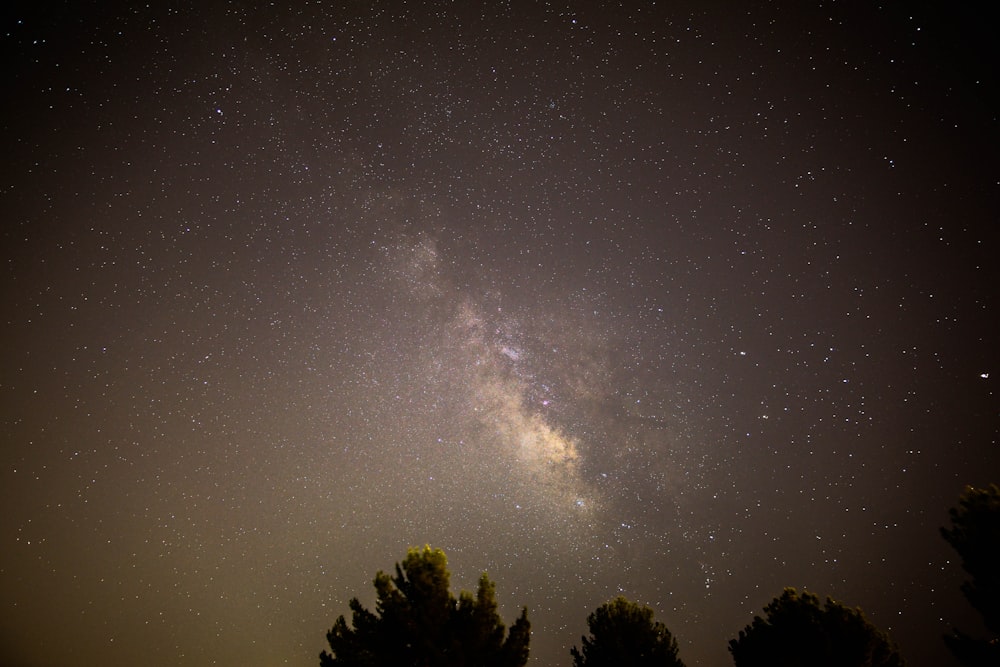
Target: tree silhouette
<point x="975" y="535"/>
<point x="417" y="622"/>
<point x="623" y="634"/>
<point x="799" y="632"/>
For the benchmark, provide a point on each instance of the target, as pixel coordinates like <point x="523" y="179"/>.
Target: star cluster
<point x="677" y="301"/>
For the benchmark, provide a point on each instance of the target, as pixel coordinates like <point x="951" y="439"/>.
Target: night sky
<point x="687" y="302"/>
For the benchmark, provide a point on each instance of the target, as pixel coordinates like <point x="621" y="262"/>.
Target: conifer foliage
<point x="975" y="535"/>
<point x="801" y="632"/>
<point x="417" y="622"/>
<point x="624" y="634"/>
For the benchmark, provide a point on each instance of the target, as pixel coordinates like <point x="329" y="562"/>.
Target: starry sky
<point x="684" y="301"/>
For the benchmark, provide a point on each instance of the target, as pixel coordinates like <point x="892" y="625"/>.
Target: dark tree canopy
<point x="975" y="535"/>
<point x="623" y="634"/>
<point x="800" y="632"/>
<point x="417" y="622"/>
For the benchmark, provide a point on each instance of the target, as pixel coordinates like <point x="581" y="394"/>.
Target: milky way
<point x="681" y="302"/>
